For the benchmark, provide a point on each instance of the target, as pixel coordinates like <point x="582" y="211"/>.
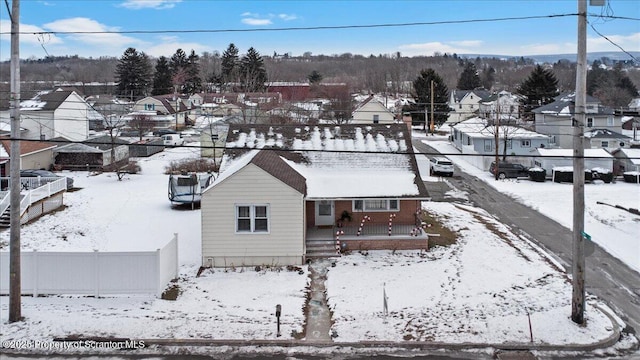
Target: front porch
<point x="323" y="241"/>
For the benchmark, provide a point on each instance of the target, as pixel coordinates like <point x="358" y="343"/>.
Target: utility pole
<point x="497" y="141"/>
<point x="577" y="271"/>
<point x="15" y="290"/>
<point x="432" y="127"/>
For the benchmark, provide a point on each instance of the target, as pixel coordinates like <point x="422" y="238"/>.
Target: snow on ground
<point x="478" y="290"/>
<point x="615" y="230"/>
<point x="110" y="215"/>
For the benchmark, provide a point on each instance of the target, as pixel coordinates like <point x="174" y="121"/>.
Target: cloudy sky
<point x="159" y="27"/>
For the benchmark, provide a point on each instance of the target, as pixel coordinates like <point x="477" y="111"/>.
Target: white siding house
<point x="280" y="195"/>
<point x="476" y="136"/>
<point x="246" y="225"/>
<point x="372" y="111"/>
<point x="555" y="119"/>
<point x="57" y="114"/>
<point x="465" y="104"/>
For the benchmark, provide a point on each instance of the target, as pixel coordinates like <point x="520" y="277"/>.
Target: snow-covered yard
<point x="478" y="290"/>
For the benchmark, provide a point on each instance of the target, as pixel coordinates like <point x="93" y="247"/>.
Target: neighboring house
<point x="169" y="106"/>
<point x="551" y="158"/>
<point x="291" y="91"/>
<point x="214" y="137"/>
<point x="33" y="155"/>
<point x="504" y="103"/>
<point x="465" y="104"/>
<point x="626" y="160"/>
<point x="110" y="107"/>
<point x="93" y="154"/>
<point x="57" y="113"/>
<point x="476" y="136"/>
<point x="556" y="119"/>
<point x="372" y="111"/>
<point x="282" y="193"/>
<point x="606" y="139"/>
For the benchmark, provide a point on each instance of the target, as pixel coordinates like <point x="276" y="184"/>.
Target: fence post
<point x="34" y="258"/>
<point x="176" y="272"/>
<point x="158" y="273"/>
<point x="96" y="267"/>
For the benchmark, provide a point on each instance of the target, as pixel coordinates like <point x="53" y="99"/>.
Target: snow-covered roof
<point x="344" y="161"/>
<point x="589" y="153"/>
<point x="604" y="134"/>
<point x="479" y="128"/>
<point x="564" y="106"/>
<point x="632" y="154"/>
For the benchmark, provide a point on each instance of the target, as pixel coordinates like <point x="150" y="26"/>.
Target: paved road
<point x="606" y="276"/>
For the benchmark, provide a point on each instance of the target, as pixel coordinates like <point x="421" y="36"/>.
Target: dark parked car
<point x="44" y="174"/>
<point x="161" y="132"/>
<point x="509" y="170"/>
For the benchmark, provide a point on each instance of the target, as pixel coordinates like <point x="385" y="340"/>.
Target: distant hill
<point x="612" y="55"/>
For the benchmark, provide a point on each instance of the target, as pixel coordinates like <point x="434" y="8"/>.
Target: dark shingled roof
<point x="271" y="162"/>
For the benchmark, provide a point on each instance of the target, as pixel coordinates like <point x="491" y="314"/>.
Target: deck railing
<point x="34" y="188"/>
<point x="44" y="191"/>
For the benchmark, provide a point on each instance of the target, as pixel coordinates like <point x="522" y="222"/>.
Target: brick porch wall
<point x="380" y="244"/>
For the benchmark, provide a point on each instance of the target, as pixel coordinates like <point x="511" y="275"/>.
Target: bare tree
<point x="141" y="124"/>
<point x="114" y="124"/>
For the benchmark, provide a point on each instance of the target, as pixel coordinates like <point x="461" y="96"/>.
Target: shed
<point x="94" y="154"/>
<point x="550" y="158"/>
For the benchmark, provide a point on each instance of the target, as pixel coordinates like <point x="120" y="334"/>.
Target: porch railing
<point x="35" y="189"/>
<point x="44" y="191"/>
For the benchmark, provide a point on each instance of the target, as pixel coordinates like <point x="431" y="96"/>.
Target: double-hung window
<point x="376" y="205"/>
<point x="252" y="218"/>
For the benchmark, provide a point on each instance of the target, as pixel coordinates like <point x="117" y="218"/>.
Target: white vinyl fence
<point x="94" y="273"/>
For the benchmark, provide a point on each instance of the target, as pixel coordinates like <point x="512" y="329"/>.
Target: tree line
<point x="136" y="77"/>
<point x="384" y="73"/>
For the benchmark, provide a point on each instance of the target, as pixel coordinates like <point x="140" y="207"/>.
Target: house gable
<point x="250" y="185"/>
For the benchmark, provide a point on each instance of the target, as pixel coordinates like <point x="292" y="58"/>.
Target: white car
<point x="440" y="165"/>
<point x="172" y="140"/>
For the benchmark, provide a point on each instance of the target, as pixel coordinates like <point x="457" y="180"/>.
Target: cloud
<point x="149" y="4"/>
<point x="255" y="19"/>
<point x="546" y="49"/>
<point x="34" y="37"/>
<point x="168" y="48"/>
<point x="287" y="17"/>
<point x="256" y="22"/>
<point x="430" y="48"/>
<point x="468" y="43"/>
<point x="629" y="42"/>
<point x="90" y="32"/>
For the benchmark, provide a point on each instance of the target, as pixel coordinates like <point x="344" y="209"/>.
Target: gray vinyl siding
<point x="283" y="245"/>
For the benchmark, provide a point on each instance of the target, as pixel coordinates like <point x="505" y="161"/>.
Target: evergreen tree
<point x="488" y="77"/>
<point x="178" y="65"/>
<point x="422" y="88"/>
<point x="253" y="75"/>
<point x="193" y="82"/>
<point x="539" y="88"/>
<point x="612" y="87"/>
<point x="133" y="72"/>
<point x="230" y="65"/>
<point x="469" y="78"/>
<point x="315" y="77"/>
<point x="178" y="61"/>
<point x="162" y="77"/>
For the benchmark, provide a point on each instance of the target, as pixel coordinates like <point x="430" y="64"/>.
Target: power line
<point x="307" y="28"/>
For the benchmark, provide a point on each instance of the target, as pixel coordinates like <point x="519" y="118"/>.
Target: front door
<point x="324" y="213"/>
